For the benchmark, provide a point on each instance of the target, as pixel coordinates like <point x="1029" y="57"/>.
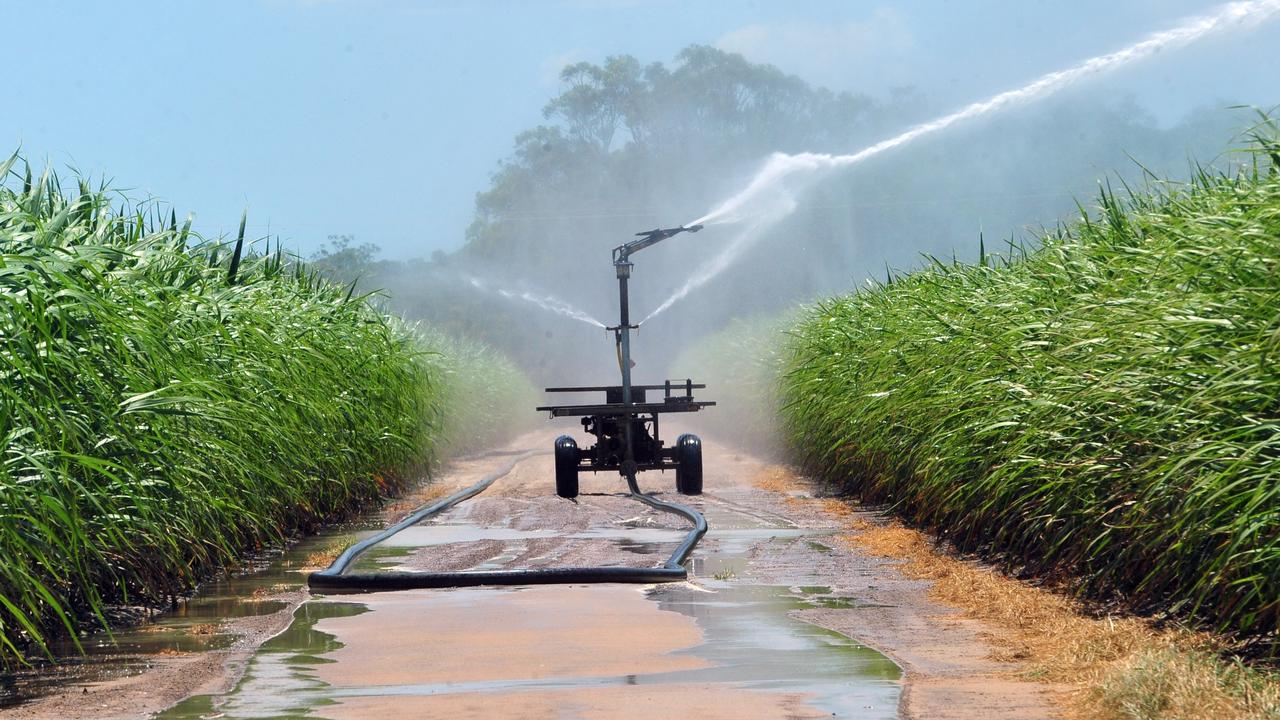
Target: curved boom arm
<point x="652" y="237"/>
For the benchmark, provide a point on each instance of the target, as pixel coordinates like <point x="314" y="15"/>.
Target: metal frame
<point x="625" y="425"/>
<point x="608" y="423"/>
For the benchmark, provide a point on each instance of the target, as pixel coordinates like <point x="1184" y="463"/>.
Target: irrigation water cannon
<point x="625" y="426"/>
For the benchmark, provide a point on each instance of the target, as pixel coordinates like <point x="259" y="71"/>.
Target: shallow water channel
<point x="357" y="655"/>
<point x="195" y="625"/>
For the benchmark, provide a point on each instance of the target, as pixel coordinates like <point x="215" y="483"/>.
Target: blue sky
<point x="383" y="118"/>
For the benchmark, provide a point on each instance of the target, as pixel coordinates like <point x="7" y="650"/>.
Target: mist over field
<point x="632" y="143"/>
<point x="372" y="129"/>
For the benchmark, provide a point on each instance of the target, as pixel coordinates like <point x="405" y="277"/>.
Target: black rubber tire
<point x="566" y="467"/>
<point x="689" y="464"/>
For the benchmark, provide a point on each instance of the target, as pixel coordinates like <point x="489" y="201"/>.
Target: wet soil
<point x="200" y="647"/>
<point x="779" y="620"/>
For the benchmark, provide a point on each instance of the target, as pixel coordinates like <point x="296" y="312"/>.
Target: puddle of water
<point x="380" y="557"/>
<point x="717" y="567"/>
<point x="748" y="638"/>
<point x="821" y="596"/>
<point x="279" y="681"/>
<point x="735" y="543"/>
<point x="194" y="626"/>
<point x="753" y="643"/>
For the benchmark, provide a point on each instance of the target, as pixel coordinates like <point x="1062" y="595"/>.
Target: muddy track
<point x="778" y="620"/>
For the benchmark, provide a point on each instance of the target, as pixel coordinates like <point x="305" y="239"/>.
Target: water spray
<point x="544" y="301"/>
<point x="772" y="193"/>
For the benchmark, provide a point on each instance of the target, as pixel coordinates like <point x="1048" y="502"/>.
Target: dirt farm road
<point x="780" y="619"/>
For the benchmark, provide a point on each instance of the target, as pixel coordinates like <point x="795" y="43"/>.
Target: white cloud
<point x="842" y="56"/>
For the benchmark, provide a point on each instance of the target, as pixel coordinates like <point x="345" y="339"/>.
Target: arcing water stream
<point x="546" y="302"/>
<point x="772" y="194"/>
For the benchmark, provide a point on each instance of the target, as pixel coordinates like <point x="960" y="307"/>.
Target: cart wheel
<point x="566" y="467"/>
<point x="689" y="465"/>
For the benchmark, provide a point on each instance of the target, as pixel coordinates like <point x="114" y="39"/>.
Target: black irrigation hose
<point x="335" y="579"/>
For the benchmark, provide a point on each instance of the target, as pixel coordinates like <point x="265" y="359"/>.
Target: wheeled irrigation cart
<point x="625" y="426"/>
<point x="629" y="452"/>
